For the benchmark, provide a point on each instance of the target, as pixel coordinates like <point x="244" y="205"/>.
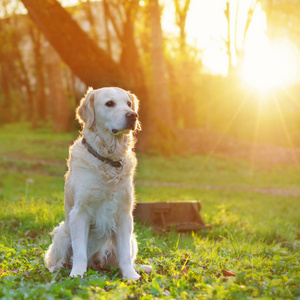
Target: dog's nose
<point x="131" y="115"/>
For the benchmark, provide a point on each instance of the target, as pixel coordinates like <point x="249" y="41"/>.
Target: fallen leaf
<point x="184" y="271"/>
<point x="228" y="273"/>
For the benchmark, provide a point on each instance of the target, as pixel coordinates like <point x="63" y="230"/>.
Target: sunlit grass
<point x="253" y="236"/>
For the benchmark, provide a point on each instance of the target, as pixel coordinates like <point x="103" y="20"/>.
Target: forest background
<point x="210" y="75"/>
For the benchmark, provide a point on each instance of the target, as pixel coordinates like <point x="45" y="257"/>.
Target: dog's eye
<point x="129" y="103"/>
<point x="110" y="103"/>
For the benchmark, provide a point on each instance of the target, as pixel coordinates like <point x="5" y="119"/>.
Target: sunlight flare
<point x="270" y="65"/>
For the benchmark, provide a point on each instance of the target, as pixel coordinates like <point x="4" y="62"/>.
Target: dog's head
<point x="110" y="109"/>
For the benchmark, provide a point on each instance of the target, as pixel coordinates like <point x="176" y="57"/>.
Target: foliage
<point x="37" y="86"/>
<point x="253" y="235"/>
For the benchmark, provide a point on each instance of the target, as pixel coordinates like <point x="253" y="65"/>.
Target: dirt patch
<point x="290" y="192"/>
<point x="200" y="141"/>
<point x="18" y="156"/>
<point x="26" y="164"/>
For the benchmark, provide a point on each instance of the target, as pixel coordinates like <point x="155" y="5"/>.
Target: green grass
<point x="254" y="235"/>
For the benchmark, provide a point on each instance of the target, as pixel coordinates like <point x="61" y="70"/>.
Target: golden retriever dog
<point x="99" y="191"/>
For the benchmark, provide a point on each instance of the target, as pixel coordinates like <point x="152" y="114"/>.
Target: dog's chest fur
<point x="108" y="190"/>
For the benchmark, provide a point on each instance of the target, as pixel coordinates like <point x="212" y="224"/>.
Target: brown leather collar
<point x="113" y="163"/>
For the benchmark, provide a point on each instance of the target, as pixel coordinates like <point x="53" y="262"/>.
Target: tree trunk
<point x="106" y="19"/>
<point x="41" y="107"/>
<point x="59" y="105"/>
<point x="181" y="14"/>
<point x="89" y="15"/>
<point x="228" y="43"/>
<point x="6" y="115"/>
<point x="26" y="82"/>
<point x="90" y="63"/>
<point x="231" y="43"/>
<point x="160" y="125"/>
<point x="160" y="86"/>
<point x="130" y="56"/>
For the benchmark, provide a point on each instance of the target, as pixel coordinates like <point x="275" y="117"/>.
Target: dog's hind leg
<point x="60" y="250"/>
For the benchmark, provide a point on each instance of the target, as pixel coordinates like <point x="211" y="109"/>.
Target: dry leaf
<point x="228" y="273"/>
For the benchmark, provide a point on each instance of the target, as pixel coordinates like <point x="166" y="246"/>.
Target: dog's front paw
<point x="130" y="274"/>
<point x="77" y="272"/>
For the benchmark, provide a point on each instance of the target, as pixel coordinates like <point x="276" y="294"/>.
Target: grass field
<point x="255" y="232"/>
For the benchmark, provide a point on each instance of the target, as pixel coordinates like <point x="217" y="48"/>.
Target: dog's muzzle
<point x="131" y="117"/>
<point x="131" y="121"/>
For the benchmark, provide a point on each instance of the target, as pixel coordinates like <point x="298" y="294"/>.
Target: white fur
<point x="99" y="198"/>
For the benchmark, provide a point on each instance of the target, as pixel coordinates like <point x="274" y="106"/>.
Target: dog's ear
<point x="85" y="112"/>
<point x="135" y="107"/>
<point x="135" y="101"/>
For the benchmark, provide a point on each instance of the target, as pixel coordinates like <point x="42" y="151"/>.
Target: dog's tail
<point x="60" y="250"/>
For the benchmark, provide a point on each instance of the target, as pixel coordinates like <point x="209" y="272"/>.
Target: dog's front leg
<point x="124" y="247"/>
<point x="79" y="229"/>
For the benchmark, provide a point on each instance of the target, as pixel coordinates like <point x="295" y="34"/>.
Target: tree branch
<point x="89" y="62"/>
